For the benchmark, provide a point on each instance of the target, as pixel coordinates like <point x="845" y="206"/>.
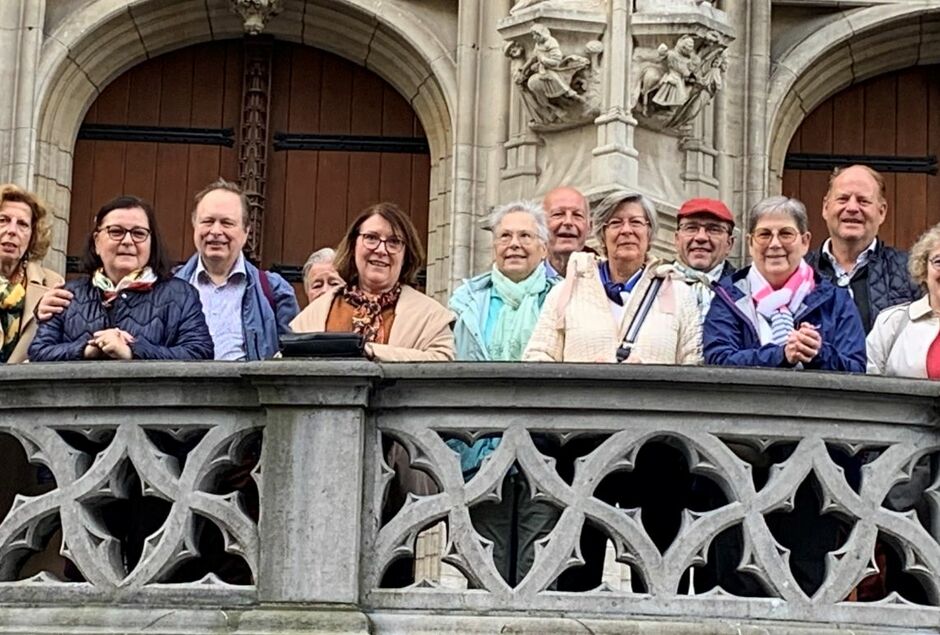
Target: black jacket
<point x="886" y="281"/>
<point x="166" y="321"/>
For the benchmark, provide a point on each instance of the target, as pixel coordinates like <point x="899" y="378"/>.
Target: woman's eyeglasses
<point x="393" y="244"/>
<point x="786" y="236"/>
<point x="117" y="233"/>
<point x="934" y="262"/>
<point x="636" y="224"/>
<point x="525" y="239"/>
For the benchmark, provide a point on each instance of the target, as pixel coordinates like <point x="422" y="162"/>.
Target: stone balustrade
<point x="254" y="498"/>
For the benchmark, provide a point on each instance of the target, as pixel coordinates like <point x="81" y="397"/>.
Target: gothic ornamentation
<point x="559" y="91"/>
<point x="253" y="141"/>
<point x="671" y="86"/>
<point x="256" y="13"/>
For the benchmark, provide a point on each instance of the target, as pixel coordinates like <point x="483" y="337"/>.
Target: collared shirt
<point x="550" y="270"/>
<point x="222" y="306"/>
<point x="843" y="277"/>
<point x="701" y="284"/>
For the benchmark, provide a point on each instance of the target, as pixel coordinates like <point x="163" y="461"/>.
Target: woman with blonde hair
<point x="24" y="240"/>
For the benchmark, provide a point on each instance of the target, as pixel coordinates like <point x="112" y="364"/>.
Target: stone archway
<point x="854" y="47"/>
<point x="102" y="40"/>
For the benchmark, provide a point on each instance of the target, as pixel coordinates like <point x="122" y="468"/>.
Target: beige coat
<point x="39" y="280"/>
<point x="421" y="331"/>
<point x="898" y="342"/>
<point x="576" y="323"/>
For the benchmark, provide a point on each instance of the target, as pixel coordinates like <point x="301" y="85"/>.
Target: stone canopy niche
<point x="678" y="63"/>
<point x="554" y="49"/>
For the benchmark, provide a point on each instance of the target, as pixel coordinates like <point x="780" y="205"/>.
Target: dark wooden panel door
<point x="169" y="126"/>
<point x="892" y="115"/>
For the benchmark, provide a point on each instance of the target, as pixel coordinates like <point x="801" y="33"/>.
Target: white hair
<point x="532" y="208"/>
<point x="326" y="254"/>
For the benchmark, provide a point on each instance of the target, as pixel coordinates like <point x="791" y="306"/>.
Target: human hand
<point x="115" y="343"/>
<point x="53" y="302"/>
<point x="803" y="344"/>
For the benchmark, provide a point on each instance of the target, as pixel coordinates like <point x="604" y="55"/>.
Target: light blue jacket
<point x="471" y="303"/>
<point x="261" y="324"/>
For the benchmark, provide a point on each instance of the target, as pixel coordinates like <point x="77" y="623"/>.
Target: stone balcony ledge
<point x="254" y="497"/>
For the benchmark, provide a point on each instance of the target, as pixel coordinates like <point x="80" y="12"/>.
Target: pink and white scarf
<point x="790" y="296"/>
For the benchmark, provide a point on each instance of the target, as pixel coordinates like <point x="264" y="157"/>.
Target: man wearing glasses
<point x="853" y="256"/>
<point x="704" y="237"/>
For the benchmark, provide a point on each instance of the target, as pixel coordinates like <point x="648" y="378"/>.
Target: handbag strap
<point x="623" y="351"/>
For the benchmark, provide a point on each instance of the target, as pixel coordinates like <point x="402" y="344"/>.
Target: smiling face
<point x="378" y="269"/>
<point x="853" y="208"/>
<point x="219" y="231"/>
<point x="568" y="221"/>
<point x="777" y="247"/>
<point x="706" y="247"/>
<point x="16" y="230"/>
<point x="121" y="257"/>
<point x="321" y="278"/>
<point x="627" y="236"/>
<point x="517" y="248"/>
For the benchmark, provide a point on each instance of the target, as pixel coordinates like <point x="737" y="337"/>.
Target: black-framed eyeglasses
<point x="117" y="233"/>
<point x="715" y="230"/>
<point x="393" y="244"/>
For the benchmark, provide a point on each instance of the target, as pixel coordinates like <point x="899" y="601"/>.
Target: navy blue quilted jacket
<point x="166" y="322"/>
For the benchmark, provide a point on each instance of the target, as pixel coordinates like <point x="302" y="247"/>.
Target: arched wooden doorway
<point x="339" y="139"/>
<point x="891" y="122"/>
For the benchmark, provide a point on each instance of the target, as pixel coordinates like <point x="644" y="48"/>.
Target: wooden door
<point x="340" y="139"/>
<point x="891" y="122"/>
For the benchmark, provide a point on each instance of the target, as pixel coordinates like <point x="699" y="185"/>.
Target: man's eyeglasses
<point x="393" y="244"/>
<point x="117" y="233"/>
<point x="786" y="236"/>
<point x="715" y="230"/>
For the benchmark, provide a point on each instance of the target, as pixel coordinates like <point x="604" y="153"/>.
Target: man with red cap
<point x="704" y="237"/>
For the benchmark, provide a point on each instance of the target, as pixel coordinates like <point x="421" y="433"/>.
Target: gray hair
<point x="532" y="208"/>
<point x="326" y="254"/>
<point x="609" y="206"/>
<point x="775" y="205"/>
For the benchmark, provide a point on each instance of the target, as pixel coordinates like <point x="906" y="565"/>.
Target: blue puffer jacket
<point x="166" y="322"/>
<point x="730" y="338"/>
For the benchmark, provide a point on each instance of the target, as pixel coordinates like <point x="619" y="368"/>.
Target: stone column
<point x="312" y="471"/>
<point x="20" y="41"/>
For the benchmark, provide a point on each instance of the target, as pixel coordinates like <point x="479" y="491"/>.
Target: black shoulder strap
<point x="623" y="351"/>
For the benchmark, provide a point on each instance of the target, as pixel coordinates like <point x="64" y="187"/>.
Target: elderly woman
<point x="905" y="340"/>
<point x="496" y="312"/>
<point x="130" y="307"/>
<point x="319" y="274"/>
<point x="601" y="303"/>
<point x="379" y="258"/>
<point x="24" y="241"/>
<point x="777" y="312"/>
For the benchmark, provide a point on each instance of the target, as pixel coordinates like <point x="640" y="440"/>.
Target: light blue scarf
<point x="522" y="302"/>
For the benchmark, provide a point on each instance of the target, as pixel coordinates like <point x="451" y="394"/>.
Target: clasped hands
<point x="803" y="344"/>
<point x="114" y="343"/>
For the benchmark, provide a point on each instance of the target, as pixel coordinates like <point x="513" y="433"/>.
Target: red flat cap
<point x="706" y="206"/>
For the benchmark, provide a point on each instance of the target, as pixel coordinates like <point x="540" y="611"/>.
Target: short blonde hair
<point x="41" y="236"/>
<point x="920" y="252"/>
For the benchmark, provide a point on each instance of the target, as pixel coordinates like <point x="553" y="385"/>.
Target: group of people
<point x="547" y="297"/>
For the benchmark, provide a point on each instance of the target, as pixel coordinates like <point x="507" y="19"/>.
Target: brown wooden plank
<point x="335" y="95"/>
<point x="171" y="201"/>
<point x="333" y="174"/>
<point x="817" y="130"/>
<point x="176" y="99"/>
<point x="112" y="103"/>
<point x="277" y="161"/>
<point x="365" y="167"/>
<point x="108" y="178"/>
<point x="848" y="107"/>
<point x="420" y="194"/>
<point x="146" y="88"/>
<point x="231" y="109"/>
<point x="881" y="97"/>
<point x="81" y="208"/>
<point x="910" y="211"/>
<point x="933" y="142"/>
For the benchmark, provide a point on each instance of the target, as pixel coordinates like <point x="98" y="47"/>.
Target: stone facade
<point x="675" y="98"/>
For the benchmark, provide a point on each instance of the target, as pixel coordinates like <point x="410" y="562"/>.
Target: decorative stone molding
<point x="555" y="55"/>
<point x="256" y="13"/>
<point x="678" y="62"/>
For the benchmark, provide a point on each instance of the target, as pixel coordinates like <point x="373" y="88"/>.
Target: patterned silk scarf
<point x="12" y="300"/>
<point x="614" y="289"/>
<point x="367" y="310"/>
<point x="779" y="305"/>
<point x="518" y="315"/>
<point x="139" y="280"/>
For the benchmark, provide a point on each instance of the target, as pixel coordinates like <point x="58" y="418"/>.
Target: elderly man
<point x="246" y="308"/>
<point x="853" y="256"/>
<point x="704" y="237"/>
<point x="569" y="224"/>
<point x="319" y="274"/>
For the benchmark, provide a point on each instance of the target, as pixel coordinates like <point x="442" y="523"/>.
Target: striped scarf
<point x="779" y="305"/>
<point x="139" y="280"/>
<point x="12" y="301"/>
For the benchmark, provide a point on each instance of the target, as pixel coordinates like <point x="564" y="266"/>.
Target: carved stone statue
<point x="672" y="85"/>
<point x="523" y="4"/>
<point x="256" y="13"/>
<point x="558" y="90"/>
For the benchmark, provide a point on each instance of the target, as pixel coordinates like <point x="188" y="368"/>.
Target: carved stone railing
<point x="253" y="498"/>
